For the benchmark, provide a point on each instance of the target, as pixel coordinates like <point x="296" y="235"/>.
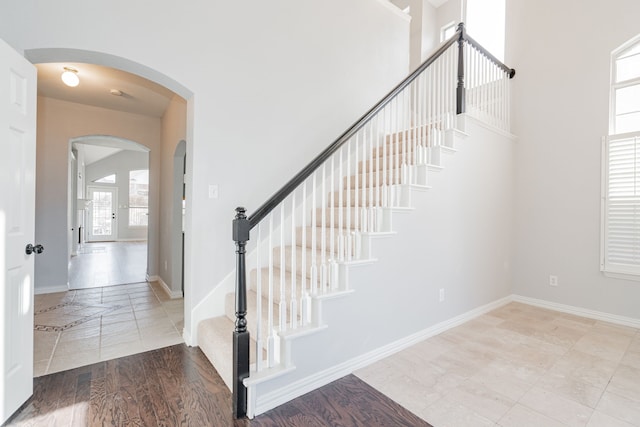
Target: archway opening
<point x="60" y="121"/>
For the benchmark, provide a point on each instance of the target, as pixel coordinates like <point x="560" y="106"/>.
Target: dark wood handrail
<point x="510" y="71"/>
<point x="306" y="172"/>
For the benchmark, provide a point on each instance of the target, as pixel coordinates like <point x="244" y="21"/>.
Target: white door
<point x="103" y="221"/>
<point x="17" y="218"/>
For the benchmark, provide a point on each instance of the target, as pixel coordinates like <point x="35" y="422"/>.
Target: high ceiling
<point x="139" y="95"/>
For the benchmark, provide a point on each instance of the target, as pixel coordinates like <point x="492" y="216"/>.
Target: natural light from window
<point x="625" y="89"/>
<point x="486" y="24"/>
<point x="447" y="31"/>
<point x="139" y="198"/>
<point x="620" y="243"/>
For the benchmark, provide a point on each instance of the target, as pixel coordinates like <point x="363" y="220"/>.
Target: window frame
<point x="615" y="85"/>
<point x="620" y="270"/>
<point x="130" y="206"/>
<point x="443" y="30"/>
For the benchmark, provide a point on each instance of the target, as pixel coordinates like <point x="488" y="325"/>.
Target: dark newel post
<point x="241" y="230"/>
<point x="460" y="91"/>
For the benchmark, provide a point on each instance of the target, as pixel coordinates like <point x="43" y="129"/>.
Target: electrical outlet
<point x="553" y="280"/>
<point x="441" y="294"/>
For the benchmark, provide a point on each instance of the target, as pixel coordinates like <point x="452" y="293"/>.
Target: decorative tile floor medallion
<point x="61" y="317"/>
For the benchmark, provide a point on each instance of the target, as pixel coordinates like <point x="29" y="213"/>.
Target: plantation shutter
<point x="622" y="205"/>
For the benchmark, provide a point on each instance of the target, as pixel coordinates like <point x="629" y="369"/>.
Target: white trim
<point x="170" y="293"/>
<point x="395" y="9"/>
<point x="186" y="336"/>
<point x="275" y="398"/>
<point x="622" y="276"/>
<point x="579" y="311"/>
<point x="132" y="240"/>
<point x="51" y="290"/>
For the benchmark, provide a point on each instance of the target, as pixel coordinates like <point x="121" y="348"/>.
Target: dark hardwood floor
<point x="177" y="386"/>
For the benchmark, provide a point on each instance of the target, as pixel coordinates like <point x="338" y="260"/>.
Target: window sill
<point x="622" y="276"/>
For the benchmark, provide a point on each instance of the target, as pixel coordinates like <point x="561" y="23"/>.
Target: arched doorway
<point x="124" y="130"/>
<point x="108" y="211"/>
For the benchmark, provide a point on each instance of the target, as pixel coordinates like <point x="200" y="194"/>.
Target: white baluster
<point x="340" y="254"/>
<point x="349" y="191"/>
<point x="381" y="173"/>
<point x="332" y="201"/>
<point x="485" y="85"/>
<point x="359" y="138"/>
<point x="271" y="339"/>
<point x="396" y="146"/>
<point x="494" y="94"/>
<point x="363" y="191"/>
<point x="323" y="231"/>
<point x="294" y="267"/>
<point x="282" y="305"/>
<point x="377" y="160"/>
<point x="313" y="285"/>
<point x="304" y="312"/>
<point x="414" y="123"/>
<point x="259" y="360"/>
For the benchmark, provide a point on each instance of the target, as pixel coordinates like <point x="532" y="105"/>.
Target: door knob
<point x="37" y="249"/>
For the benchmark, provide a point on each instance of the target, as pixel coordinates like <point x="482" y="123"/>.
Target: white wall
<point x="424" y="31"/>
<point x="451" y="11"/>
<point x="430" y="30"/>
<point x="561" y="51"/>
<point x="120" y="164"/>
<point x="58" y="123"/>
<point x="174" y="130"/>
<point x="272" y="83"/>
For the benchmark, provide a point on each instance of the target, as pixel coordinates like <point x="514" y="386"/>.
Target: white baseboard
<point x="275" y="398"/>
<point x="579" y="311"/>
<point x="186" y="336"/>
<point x="170" y="293"/>
<point x="50" y="290"/>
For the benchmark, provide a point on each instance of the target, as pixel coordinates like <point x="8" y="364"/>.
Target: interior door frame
<point x="114" y="235"/>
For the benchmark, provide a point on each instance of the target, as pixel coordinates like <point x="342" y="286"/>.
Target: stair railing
<point x="317" y="224"/>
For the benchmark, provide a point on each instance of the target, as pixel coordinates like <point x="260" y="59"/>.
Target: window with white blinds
<point x="622" y="205"/>
<point x="620" y="251"/>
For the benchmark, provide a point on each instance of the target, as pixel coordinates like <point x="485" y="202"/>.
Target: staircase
<point x="324" y="221"/>
<point x="335" y="242"/>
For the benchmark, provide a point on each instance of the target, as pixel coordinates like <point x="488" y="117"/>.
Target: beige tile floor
<point x="519" y="366"/>
<point x="81" y="327"/>
<point x="101" y="264"/>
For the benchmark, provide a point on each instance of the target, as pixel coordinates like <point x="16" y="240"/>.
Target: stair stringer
<point x="352" y="322"/>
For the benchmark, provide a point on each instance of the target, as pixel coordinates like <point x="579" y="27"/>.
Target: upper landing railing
<point x="316" y="221"/>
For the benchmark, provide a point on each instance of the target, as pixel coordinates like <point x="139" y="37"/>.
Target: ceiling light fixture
<point x="116" y="92"/>
<point x="70" y="77"/>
